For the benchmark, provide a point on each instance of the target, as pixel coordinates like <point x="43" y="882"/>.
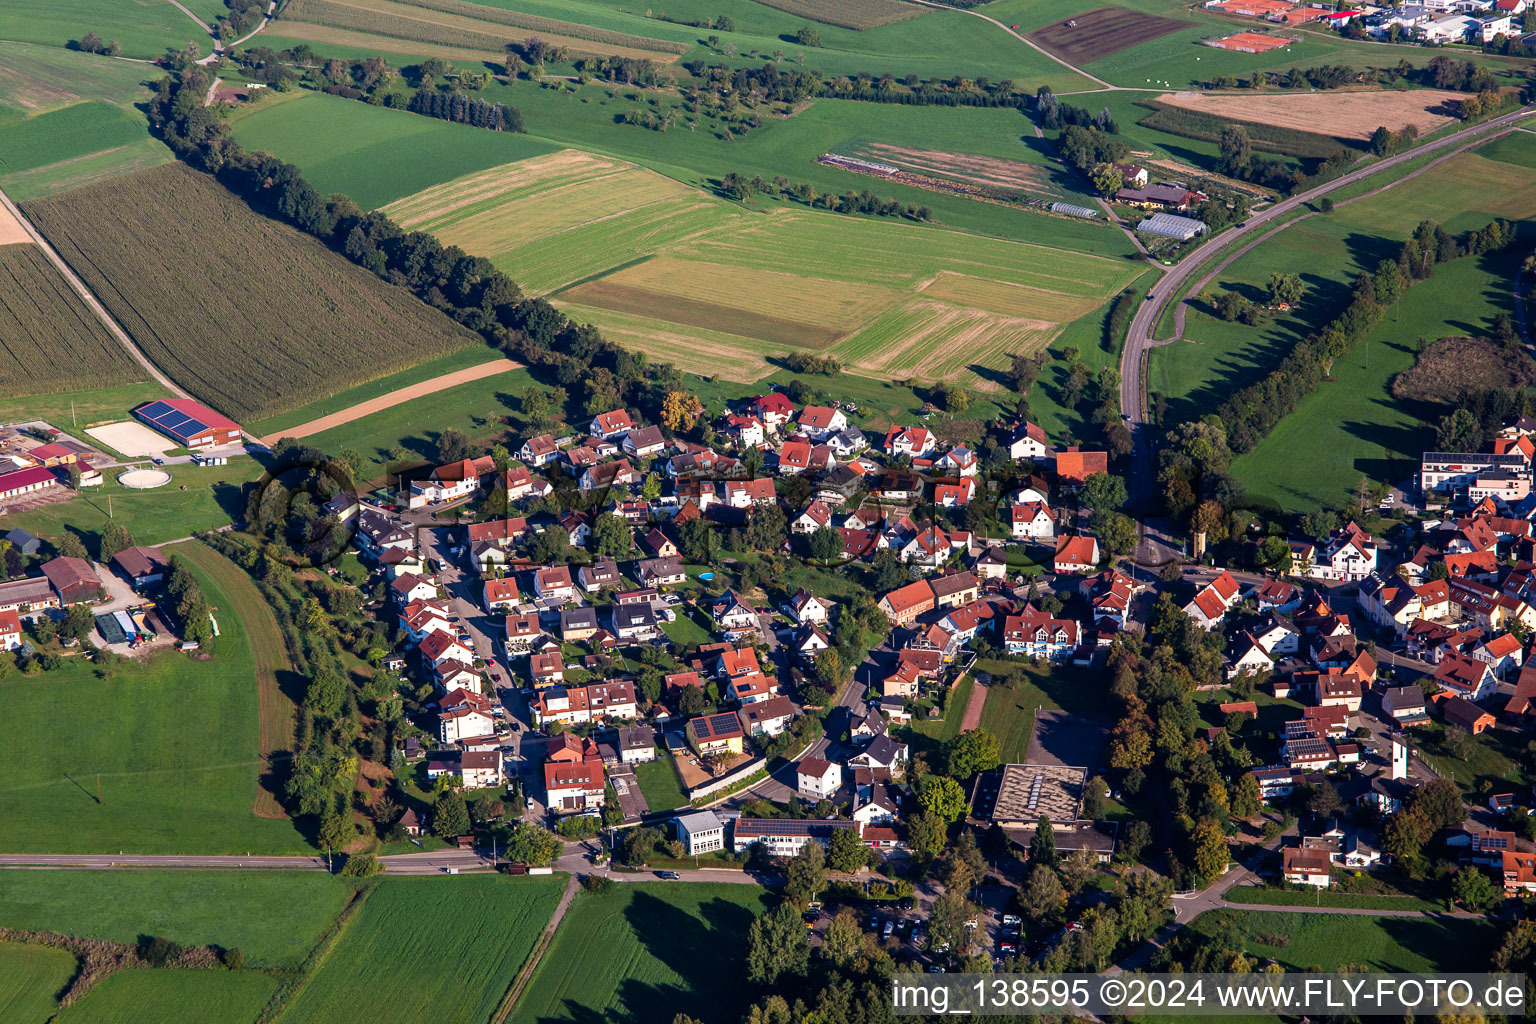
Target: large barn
<point x="191" y="423"/>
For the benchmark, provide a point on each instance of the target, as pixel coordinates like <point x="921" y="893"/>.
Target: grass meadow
<point x="273" y="917"/>
<point x="1302" y="942"/>
<point x="212" y="498"/>
<point x="144" y="27"/>
<point x="169" y="996"/>
<point x="659" y="784"/>
<point x="174" y="740"/>
<point x="641" y="953"/>
<point x="431" y="948"/>
<point x="30" y="977"/>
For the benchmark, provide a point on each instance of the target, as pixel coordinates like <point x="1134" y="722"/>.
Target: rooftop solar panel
<point x="154" y="410"/>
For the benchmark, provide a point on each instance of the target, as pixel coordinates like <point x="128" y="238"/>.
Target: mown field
<point x="173" y="997"/>
<point x="144" y="28"/>
<point x="466" y="26"/>
<point x="701" y="283"/>
<point x="855" y="14"/>
<point x="212" y="499"/>
<point x="1328" y="941"/>
<point x="30" y="977"/>
<point x="173" y="739"/>
<point x="67" y="118"/>
<point x="48" y="337"/>
<point x="646" y="953"/>
<point x="273" y="917"/>
<point x="374" y="154"/>
<point x="230" y="304"/>
<point x="431" y="948"/>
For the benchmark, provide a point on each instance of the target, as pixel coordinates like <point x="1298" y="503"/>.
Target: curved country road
<point x="1139" y="339"/>
<point x="1027" y="42"/>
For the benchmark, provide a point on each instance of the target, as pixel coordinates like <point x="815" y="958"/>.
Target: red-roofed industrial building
<point x="190" y="423"/>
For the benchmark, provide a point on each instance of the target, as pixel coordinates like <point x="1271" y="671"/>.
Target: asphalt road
<point x="1139" y="339"/>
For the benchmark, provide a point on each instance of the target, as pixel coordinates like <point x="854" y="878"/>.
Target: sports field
<point x="173" y="739"/>
<point x="168" y="996"/>
<point x="648" y="951"/>
<point x="273" y="917"/>
<point x="431" y="949"/>
<point x="701" y="283"/>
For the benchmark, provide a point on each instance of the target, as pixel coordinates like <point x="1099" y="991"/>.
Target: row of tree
<point x="461" y="109"/>
<point x="740" y="187"/>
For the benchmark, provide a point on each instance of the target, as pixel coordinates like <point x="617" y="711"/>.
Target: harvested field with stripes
<point x="719" y="290"/>
<point x="1344" y="115"/>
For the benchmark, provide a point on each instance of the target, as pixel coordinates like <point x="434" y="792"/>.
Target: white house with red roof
<point x="773" y="409"/>
<point x="1077" y="555"/>
<point x="501" y="594"/>
<point x="806" y="608"/>
<point x="820" y="421"/>
<point x="10" y="629"/>
<point x="746" y="430"/>
<point x="465" y="715"/>
<point x="439" y="646"/>
<point x="794" y="457"/>
<point x="1211" y="602"/>
<point x="1032" y="521"/>
<point x="746" y="493"/>
<point x="1349" y="554"/>
<point x="574" y="787"/>
<point x="451" y="482"/>
<point x="954" y="495"/>
<point x="815" y="516"/>
<point x="1466" y="677"/>
<point x="409" y="587"/>
<point x="1036" y="634"/>
<point x="613" y="424"/>
<point x="419" y="618"/>
<point x="553" y="583"/>
<point x="539" y="451"/>
<point x="913" y="441"/>
<point x="1029" y="443"/>
<point x="958" y="461"/>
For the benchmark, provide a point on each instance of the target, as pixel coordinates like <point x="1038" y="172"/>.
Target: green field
<point x="50" y="337"/>
<point x="30" y="978"/>
<point x="273" y="917"/>
<point x="199" y="302"/>
<point x="173" y="739"/>
<point x="1327" y="941"/>
<point x="374" y="154"/>
<point x="144" y="27"/>
<point x="429" y="948"/>
<point x="76" y="410"/>
<point x="35" y="79"/>
<point x="660" y="785"/>
<point x="212" y="498"/>
<point x="173" y="997"/>
<point x="65" y="134"/>
<point x="647" y="952"/>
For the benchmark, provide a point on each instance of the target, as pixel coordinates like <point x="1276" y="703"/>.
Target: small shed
<point x="23" y="541"/>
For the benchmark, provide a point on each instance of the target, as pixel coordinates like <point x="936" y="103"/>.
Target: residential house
<point x="959" y="461"/>
<point x="618" y="473"/>
<point x="539" y="451"/>
<point x="1404" y="704"/>
<point x="578" y="624"/>
<point x="928" y="549"/>
<point x="611" y="425"/>
<point x="875" y="803"/>
<point x="643" y="442"/>
<point x="746" y="493"/>
<point x="450" y="483"/>
<point x="745" y="431"/>
<point x="602" y="574"/>
<point x="766" y="717"/>
<point x="816" y="779"/>
<point x="1032" y="521"/>
<point x="1392" y="605"/>
<point x="773" y="409"/>
<point x="1077" y="555"/>
<point x="421" y="618"/>
<point x="719" y="735"/>
<point x="1461" y="712"/>
<point x="10" y="630"/>
<point x="1301" y="866"/>
<point x="553" y="583"/>
<point x="806" y="608"/>
<point x="700" y="832"/>
<point x="1212" y="601"/>
<point x="480" y="769"/>
<point x="815" y="516"/>
<point x="1348" y="554"/>
<point x="1503" y="653"/>
<point x="635" y="744"/>
<point x="574" y="787"/>
<point x="661" y="572"/>
<point x="1035" y="634"/>
<point x="501" y="594"/>
<point x="955" y="589"/>
<point x="1029" y="442"/>
<point x="1110" y="593"/>
<point x="464" y="714"/>
<point x="577" y="705"/>
<point x="635" y="622"/>
<point x="820" y="422"/>
<point x="546" y="669"/>
<point x="408" y="587"/>
<point x="912" y="441"/>
<point x="954" y="495"/>
<point x="732" y="615"/>
<point x="1074" y="466"/>
<point x="522" y="630"/>
<point x="1466" y="677"/>
<point x="904" y="604"/>
<point x="882" y="753"/>
<point x="847" y="443"/>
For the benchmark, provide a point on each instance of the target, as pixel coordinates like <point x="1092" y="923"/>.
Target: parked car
<point x="670" y="876"/>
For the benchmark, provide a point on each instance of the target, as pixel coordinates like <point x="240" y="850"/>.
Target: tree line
<point x="740" y="187"/>
<point x="461" y="109"/>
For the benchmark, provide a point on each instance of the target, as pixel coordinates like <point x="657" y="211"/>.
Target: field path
<point x="545" y="938"/>
<point x="1023" y="39"/>
<point x="275" y="710"/>
<point x="91" y="300"/>
<point x="973" y="708"/>
<point x="405" y="394"/>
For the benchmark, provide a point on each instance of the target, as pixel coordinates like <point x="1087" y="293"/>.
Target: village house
<point x="1212" y="601"/>
<point x="539" y="451"/>
<point x="816" y="779"/>
<point x="819" y="422"/>
<point x="766" y="717"/>
<point x="700" y="832"/>
<point x="618" y="473"/>
<point x="661" y="572"/>
<point x="546" y="669"/>
<point x="1078" y="555"/>
<point x="553" y="583"/>
<point x="904" y="604"/>
<point x="1301" y="866"/>
<point x="1029" y="442"/>
<point x="610" y="425"/>
<point x="643" y="442"/>
<point x="1035" y="634"/>
<point x="574" y="787"/>
<point x="501" y="594"/>
<point x="717" y="735"/>
<point x="911" y="441"/>
<point x="1032" y="521"/>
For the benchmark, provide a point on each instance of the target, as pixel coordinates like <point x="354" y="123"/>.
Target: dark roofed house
<point x="143" y="567"/>
<point x="73" y="579"/>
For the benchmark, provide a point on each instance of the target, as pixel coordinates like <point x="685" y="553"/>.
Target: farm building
<point x="22" y="482"/>
<point x="73" y="579"/>
<point x="1074" y="211"/>
<point x="191" y="423"/>
<point x="1170" y="225"/>
<point x="141" y="566"/>
<point x="60" y="453"/>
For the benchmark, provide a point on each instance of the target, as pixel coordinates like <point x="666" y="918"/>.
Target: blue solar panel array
<point x="173" y="420"/>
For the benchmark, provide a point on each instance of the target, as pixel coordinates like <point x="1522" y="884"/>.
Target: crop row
<point x="244" y="312"/>
<point x="48" y="338"/>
